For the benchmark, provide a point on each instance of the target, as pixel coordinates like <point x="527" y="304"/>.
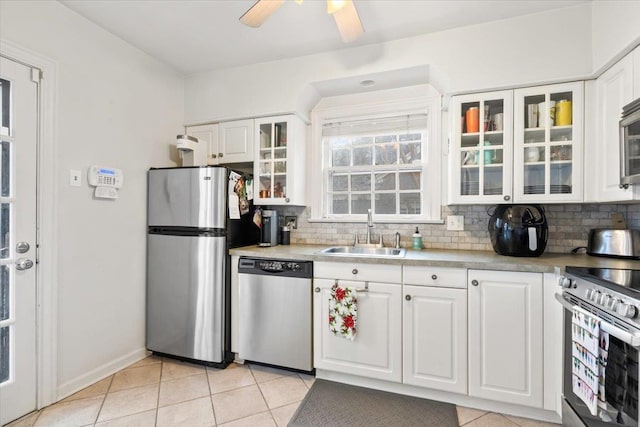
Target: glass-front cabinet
<point x="516" y="146"/>
<point x="548" y="143"/>
<point x="279" y="176"/>
<point x="481" y="146"/>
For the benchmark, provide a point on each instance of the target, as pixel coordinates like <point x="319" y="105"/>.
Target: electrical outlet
<point x="291" y="219"/>
<point x="455" y="222"/>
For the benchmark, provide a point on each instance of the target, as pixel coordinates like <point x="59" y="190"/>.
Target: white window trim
<point x="431" y="105"/>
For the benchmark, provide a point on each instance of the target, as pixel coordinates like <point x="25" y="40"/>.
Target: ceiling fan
<point x="343" y="11"/>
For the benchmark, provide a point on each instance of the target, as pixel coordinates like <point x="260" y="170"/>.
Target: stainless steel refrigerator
<point x="188" y="266"/>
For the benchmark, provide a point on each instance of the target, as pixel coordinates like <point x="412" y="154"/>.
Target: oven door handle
<point x="626" y="337"/>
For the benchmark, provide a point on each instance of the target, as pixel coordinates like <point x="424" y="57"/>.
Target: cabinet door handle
<point x="317" y="289"/>
<point x="407" y="297"/>
<point x="214" y="156"/>
<point x="354" y="271"/>
<point x="474" y="283"/>
<point x="434" y="277"/>
<point x="220" y="154"/>
<point x="507" y="198"/>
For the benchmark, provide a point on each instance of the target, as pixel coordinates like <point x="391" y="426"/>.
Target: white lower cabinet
<point x="376" y="351"/>
<point x="435" y="338"/>
<point x="506" y="336"/>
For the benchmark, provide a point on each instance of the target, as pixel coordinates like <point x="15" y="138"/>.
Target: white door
<point x="376" y="351"/>
<point x="435" y="338"/>
<point x="505" y="336"/>
<point x="18" y="136"/>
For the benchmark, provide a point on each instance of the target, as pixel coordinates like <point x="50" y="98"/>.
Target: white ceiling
<point x="194" y="36"/>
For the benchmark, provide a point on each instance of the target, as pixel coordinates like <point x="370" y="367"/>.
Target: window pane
<point x="4" y="292"/>
<point x="410" y="180"/>
<point x="4" y="354"/>
<point x="5" y="113"/>
<point x="360" y="203"/>
<point x="341" y="157"/>
<point x="386" y="203"/>
<point x="410" y="203"/>
<point x="362" y="156"/>
<point x="340" y="204"/>
<point x="340" y="182"/>
<point x="411" y="137"/>
<point x="410" y="152"/>
<point x="386" y="138"/>
<point x="5" y="237"/>
<point x="5" y="169"/>
<point x="363" y="140"/>
<point x="385" y="181"/>
<point x="361" y="182"/>
<point x="386" y="154"/>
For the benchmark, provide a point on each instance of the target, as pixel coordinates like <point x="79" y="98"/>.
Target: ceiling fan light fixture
<point x="335" y="5"/>
<point x="348" y="22"/>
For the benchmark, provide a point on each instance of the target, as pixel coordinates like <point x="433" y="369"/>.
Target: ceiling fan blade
<point x="259" y="12"/>
<point x="348" y="22"/>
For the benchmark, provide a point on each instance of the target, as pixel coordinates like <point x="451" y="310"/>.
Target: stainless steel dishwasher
<point x="275" y="312"/>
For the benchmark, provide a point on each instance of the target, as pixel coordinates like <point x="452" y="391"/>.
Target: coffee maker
<point x="518" y="230"/>
<point x="269" y="230"/>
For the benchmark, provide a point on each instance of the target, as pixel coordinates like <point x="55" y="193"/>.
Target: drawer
<point x="381" y="273"/>
<point x="435" y="276"/>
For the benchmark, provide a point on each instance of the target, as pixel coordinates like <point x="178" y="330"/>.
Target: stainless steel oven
<point x="611" y="299"/>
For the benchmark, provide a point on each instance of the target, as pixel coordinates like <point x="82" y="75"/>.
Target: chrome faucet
<point x="369" y="226"/>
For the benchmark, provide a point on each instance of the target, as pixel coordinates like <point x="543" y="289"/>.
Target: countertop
<point x="483" y="260"/>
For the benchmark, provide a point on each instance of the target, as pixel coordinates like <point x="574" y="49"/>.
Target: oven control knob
<point x="628" y="310"/>
<point x="565" y="282"/>
<point x="605" y="300"/>
<point x="589" y="294"/>
<point x="595" y="296"/>
<point x="613" y="304"/>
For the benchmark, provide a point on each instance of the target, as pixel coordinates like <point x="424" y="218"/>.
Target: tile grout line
<point x="155" y="421"/>
<point x="213" y="409"/>
<point x="104" y="399"/>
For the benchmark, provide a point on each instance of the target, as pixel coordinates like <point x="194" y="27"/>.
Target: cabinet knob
<point x="220" y="154"/>
<point x="286" y="200"/>
<point x="407" y="297"/>
<point x="317" y="290"/>
<point x="214" y="156"/>
<point x="434" y="277"/>
<point x="474" y="282"/>
<point x="507" y="198"/>
<point x="354" y="271"/>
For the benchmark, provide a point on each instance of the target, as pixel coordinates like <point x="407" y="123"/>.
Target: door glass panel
<point x="5" y="351"/>
<point x="5" y="105"/>
<point x="265" y="136"/>
<point x="4" y="292"/>
<point x="280" y="186"/>
<point x="280" y="139"/>
<point x="5" y="235"/>
<point x="5" y="169"/>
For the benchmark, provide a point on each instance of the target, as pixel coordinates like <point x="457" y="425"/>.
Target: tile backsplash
<point x="569" y="227"/>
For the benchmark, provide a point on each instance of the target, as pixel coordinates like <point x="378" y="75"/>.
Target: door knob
<point x="23" y="264"/>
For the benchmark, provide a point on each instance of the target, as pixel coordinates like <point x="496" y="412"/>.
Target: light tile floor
<point x="164" y="392"/>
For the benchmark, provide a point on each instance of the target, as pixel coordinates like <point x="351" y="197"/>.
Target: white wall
<point x="532" y="49"/>
<point x="115" y="107"/>
<point x="616" y="29"/>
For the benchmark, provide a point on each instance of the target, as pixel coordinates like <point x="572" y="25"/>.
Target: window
<point x="375" y="164"/>
<point x="387" y="161"/>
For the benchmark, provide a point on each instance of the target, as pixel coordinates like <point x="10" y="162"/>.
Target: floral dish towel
<point x="343" y="311"/>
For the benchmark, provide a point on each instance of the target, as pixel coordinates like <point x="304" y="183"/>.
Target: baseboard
<point x="99" y="373"/>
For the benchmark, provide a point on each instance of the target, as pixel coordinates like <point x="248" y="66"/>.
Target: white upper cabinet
<point x="548" y="143"/>
<point x="228" y="142"/>
<point x="280" y="161"/>
<point x="615" y="88"/>
<point x="506" y="146"/>
<point x="236" y="141"/>
<point x="481" y="147"/>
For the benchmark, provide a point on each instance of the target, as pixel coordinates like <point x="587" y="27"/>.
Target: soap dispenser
<point x="417" y="240"/>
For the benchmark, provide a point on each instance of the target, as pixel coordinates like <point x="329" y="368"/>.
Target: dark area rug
<point x="331" y="404"/>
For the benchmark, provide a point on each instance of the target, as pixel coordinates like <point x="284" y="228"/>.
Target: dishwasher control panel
<point x="275" y="266"/>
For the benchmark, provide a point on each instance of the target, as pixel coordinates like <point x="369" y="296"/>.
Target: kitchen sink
<point x="364" y="251"/>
